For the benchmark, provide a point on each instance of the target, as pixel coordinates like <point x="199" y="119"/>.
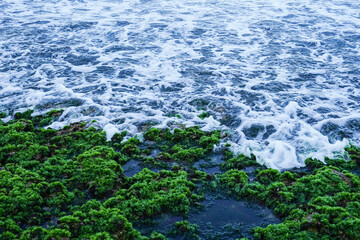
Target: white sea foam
<point x="281" y="76"/>
<point x="110" y="129"/>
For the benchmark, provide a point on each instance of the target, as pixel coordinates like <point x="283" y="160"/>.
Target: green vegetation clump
<point x="182" y="145"/>
<point x="354" y="153"/>
<point x="147" y="194"/>
<point x="320" y="202"/>
<point x="39" y="120"/>
<point x="240" y="162"/>
<point x="69" y="183"/>
<point x="94" y="221"/>
<point x="234" y="180"/>
<point x="187" y="230"/>
<point x="130" y="147"/>
<point x="323" y="204"/>
<point x="153" y="134"/>
<point x="350" y="164"/>
<point x="204" y="115"/>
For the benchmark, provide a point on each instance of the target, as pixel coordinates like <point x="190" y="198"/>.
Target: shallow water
<point x="281" y="76"/>
<point x="211" y="165"/>
<point x="230" y="219"/>
<point x="131" y="168"/>
<point x="226" y="219"/>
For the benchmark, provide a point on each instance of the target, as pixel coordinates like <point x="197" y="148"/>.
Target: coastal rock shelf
<point x="71" y="184"/>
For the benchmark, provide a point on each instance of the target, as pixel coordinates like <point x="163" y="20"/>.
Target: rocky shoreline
<point x="72" y="183"/>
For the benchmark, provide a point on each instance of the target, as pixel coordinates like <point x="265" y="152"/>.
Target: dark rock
<point x="253" y="131"/>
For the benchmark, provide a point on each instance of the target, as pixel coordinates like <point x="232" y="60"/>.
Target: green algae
<point x="187" y="230"/>
<point x="240" y="162"/>
<point x="70" y="184"/>
<point x="312" y="206"/>
<point x="234" y="179"/>
<point x="182" y="145"/>
<point x="204" y="115"/>
<point x="39" y="120"/>
<point x="3" y="115"/>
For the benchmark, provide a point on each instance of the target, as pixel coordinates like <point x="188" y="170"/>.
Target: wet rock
<point x="199" y="103"/>
<point x="172" y="125"/>
<point x="230" y="120"/>
<point x="335" y="132"/>
<point x="219" y="109"/>
<point x="270" y="129"/>
<point x="145" y="125"/>
<point x="253" y="131"/>
<point x="226" y="218"/>
<point x="59" y="103"/>
<point x="91" y="111"/>
<point x="343" y="177"/>
<point x="73" y="127"/>
<point x="118" y="121"/>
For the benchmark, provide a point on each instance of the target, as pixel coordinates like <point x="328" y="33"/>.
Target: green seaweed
<point x="234" y="179"/>
<point x="187" y="230"/>
<point x="182" y="145"/>
<point x="354" y="153"/>
<point x="240" y="162"/>
<point x="39" y="120"/>
<point x="3" y="115"/>
<point x="339" y="163"/>
<point x="147" y="194"/>
<point x="307" y="203"/>
<point x="204" y="115"/>
<point x="153" y="134"/>
<point x="68" y="183"/>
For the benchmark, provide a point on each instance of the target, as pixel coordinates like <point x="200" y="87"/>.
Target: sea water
<point x="281" y="76"/>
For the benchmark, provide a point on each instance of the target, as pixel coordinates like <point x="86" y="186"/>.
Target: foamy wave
<point x="282" y="76"/>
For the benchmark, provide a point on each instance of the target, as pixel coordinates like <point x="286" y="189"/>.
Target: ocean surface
<point x="281" y="76"/>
